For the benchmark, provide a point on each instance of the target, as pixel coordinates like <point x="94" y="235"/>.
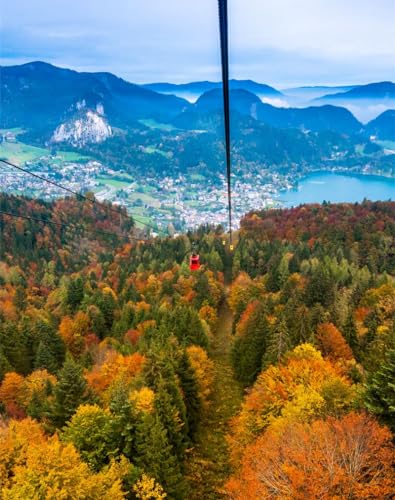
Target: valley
<point x="161" y="156"/>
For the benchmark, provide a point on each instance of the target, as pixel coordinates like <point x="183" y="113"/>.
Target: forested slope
<point x="314" y="320"/>
<point x="111" y="380"/>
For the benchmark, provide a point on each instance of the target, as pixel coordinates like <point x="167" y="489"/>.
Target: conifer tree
<point x="70" y="392"/>
<point x="190" y="389"/>
<point x="278" y="343"/>
<point x="248" y="349"/>
<point x="169" y="413"/>
<point x="380" y="394"/>
<point x="75" y="293"/>
<point x="154" y="455"/>
<point x="4" y="365"/>
<point x="45" y="359"/>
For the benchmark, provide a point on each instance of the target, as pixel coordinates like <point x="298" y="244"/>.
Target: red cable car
<point x="194" y="262"/>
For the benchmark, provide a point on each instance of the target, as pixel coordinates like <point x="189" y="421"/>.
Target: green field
<point x="113" y="182"/>
<point x="148" y="122"/>
<point x="20" y="153"/>
<point x="145" y="198"/>
<point x="152" y="149"/>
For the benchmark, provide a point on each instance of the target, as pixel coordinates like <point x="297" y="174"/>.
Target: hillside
<point x="383" y="126"/>
<point x="121" y="368"/>
<point x="380" y="90"/>
<point x="40" y="96"/>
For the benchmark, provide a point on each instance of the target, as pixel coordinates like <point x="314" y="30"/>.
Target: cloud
<point x="275" y="41"/>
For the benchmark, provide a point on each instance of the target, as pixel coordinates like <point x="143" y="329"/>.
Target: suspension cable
<point x="223" y="26"/>
<point x="79" y="195"/>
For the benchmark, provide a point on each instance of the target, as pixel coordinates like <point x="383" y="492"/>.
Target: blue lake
<point x="320" y="186"/>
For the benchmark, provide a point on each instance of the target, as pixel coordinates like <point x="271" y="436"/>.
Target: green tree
<point x="154" y="455"/>
<point x="278" y="343"/>
<point x="190" y="390"/>
<point x="92" y="431"/>
<point x="70" y="392"/>
<point x="45" y="359"/>
<point x="75" y="293"/>
<point x="380" y="394"/>
<point x="248" y="349"/>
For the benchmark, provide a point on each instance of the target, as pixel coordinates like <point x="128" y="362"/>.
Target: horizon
<point x="282" y="44"/>
<point x="279" y="87"/>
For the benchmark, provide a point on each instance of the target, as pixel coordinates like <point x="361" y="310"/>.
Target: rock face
<point x="88" y="128"/>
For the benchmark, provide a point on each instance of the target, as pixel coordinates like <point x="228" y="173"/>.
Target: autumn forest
<point x="267" y="373"/>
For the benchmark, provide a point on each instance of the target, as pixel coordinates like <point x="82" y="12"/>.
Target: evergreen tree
<point x="125" y="420"/>
<point x="5" y="366"/>
<point x="154" y="455"/>
<point x="70" y="392"/>
<point x="278" y="344"/>
<point x="351" y="336"/>
<point x="190" y="391"/>
<point x="45" y="359"/>
<point x="380" y="394"/>
<point x="20" y="298"/>
<point x="185" y="324"/>
<point x="75" y="293"/>
<point x="173" y="420"/>
<point x="248" y="350"/>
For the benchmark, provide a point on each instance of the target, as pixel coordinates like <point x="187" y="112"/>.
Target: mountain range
<point x="59" y="104"/>
<point x="381" y="90"/>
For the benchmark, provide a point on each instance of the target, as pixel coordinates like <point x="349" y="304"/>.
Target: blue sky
<point x="279" y="42"/>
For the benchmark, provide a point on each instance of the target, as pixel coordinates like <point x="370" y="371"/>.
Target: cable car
<point x="194" y="262"/>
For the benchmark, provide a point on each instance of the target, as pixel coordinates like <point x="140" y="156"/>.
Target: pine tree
<point x="380" y="394"/>
<point x="248" y="349"/>
<point x="190" y="391"/>
<point x="351" y="336"/>
<point x="187" y="327"/>
<point x="125" y="420"/>
<point x="75" y="293"/>
<point x="278" y="343"/>
<point x="169" y="413"/>
<point x="70" y="392"/>
<point x="45" y="359"/>
<point x="4" y="365"/>
<point x="20" y="298"/>
<point x="154" y="455"/>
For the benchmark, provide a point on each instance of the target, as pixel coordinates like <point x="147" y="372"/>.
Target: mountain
<point x="381" y="90"/>
<point x="196" y="89"/>
<point x="89" y="128"/>
<point x="40" y="96"/>
<point x="240" y="100"/>
<point x="318" y="118"/>
<point x="383" y="127"/>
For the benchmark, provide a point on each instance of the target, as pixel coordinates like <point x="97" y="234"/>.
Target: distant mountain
<point x="315" y="118"/>
<point x="199" y="88"/>
<point x="381" y="90"/>
<point x="383" y="127"/>
<point x="318" y="118"/>
<point x="307" y="93"/>
<point x="40" y="96"/>
<point x="240" y="100"/>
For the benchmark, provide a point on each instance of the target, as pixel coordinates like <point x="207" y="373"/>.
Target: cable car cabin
<point x="194" y="262"/>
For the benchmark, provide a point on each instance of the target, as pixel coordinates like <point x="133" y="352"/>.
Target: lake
<point x="333" y="187"/>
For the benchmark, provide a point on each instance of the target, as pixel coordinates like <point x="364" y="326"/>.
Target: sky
<point x="279" y="42"/>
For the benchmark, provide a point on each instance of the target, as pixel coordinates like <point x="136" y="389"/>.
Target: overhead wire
<point x="75" y="193"/>
<point x="223" y="26"/>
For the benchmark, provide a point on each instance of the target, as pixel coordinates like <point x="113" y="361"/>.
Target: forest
<point x="267" y="373"/>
